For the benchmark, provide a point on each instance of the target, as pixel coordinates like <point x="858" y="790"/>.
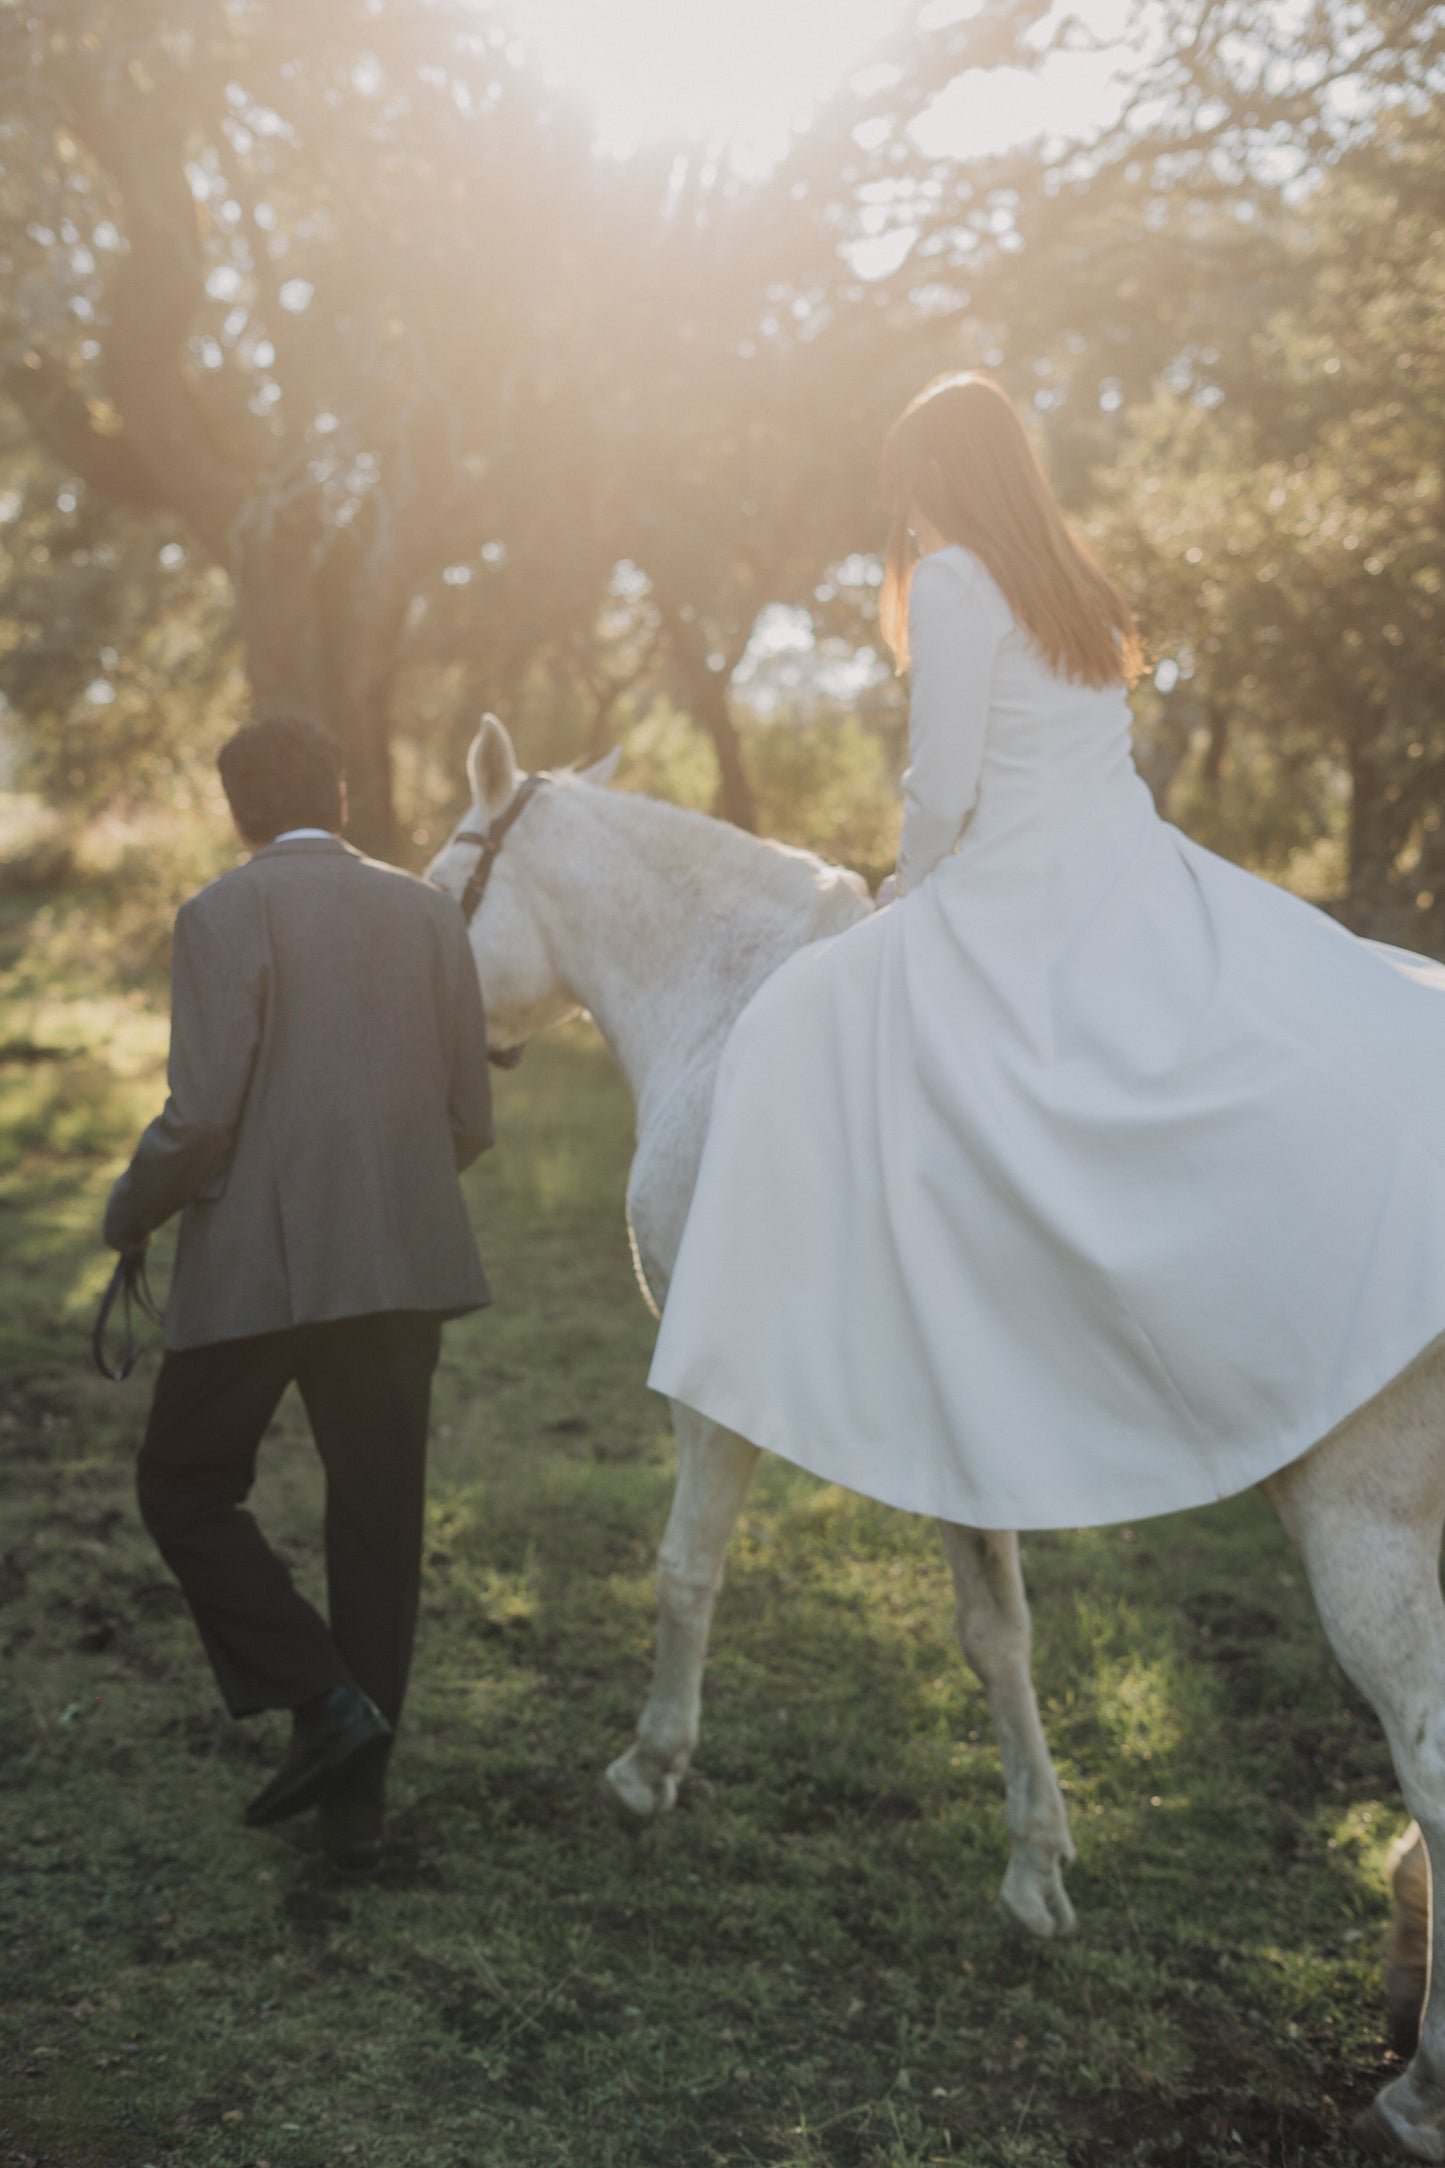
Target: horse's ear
<point x="492" y="768"/>
<point x="601" y="772"/>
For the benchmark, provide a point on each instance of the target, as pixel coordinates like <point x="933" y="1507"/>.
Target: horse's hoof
<point x="631" y="1792"/>
<point x="1372" y="2132"/>
<point x="1040" y="1909"/>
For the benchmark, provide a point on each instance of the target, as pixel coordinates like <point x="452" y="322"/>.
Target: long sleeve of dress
<point x="954" y="631"/>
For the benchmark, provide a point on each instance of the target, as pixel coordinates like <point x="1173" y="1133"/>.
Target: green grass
<point x="803" y="1966"/>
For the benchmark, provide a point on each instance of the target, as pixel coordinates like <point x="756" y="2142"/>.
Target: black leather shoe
<point x="335" y="1731"/>
<point x="352" y="1832"/>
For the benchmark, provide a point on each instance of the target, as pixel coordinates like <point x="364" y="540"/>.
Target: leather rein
<point x="129" y="1285"/>
<point x="489" y="842"/>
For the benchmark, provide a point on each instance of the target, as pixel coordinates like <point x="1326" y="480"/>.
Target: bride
<point x="1094" y="1178"/>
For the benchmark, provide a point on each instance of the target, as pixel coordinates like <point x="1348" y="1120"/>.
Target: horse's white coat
<point x="662" y="923"/>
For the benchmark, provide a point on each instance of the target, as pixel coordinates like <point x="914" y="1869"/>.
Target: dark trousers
<point x="366" y="1386"/>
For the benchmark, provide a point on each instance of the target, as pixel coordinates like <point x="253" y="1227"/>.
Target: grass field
<point x="804" y="1965"/>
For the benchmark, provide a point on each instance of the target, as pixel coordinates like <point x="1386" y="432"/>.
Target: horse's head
<point x="496" y="841"/>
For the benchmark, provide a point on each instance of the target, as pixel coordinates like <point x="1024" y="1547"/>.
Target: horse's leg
<point x="995" y="1635"/>
<point x="714" y="1468"/>
<point x="1366" y="1509"/>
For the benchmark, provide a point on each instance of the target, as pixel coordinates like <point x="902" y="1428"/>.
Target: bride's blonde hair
<point x="958" y="454"/>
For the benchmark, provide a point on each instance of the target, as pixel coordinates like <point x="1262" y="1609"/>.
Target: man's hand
<point x="887" y="893"/>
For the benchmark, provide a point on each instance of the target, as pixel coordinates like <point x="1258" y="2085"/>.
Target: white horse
<point x="662" y="923"/>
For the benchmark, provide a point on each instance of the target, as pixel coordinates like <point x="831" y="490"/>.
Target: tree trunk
<point x="1162" y="754"/>
<point x="1218" y="744"/>
<point x="712" y="708"/>
<point x="707" y="696"/>
<point x="1372" y="841"/>
<point x="359" y="715"/>
<point x="318" y="641"/>
<point x="273" y="578"/>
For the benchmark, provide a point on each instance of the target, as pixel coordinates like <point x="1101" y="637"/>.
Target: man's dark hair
<point x="282" y="772"/>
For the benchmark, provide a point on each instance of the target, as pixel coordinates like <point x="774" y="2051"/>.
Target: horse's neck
<point x="663" y="924"/>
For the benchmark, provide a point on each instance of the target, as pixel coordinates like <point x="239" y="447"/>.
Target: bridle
<point x="489" y="842"/>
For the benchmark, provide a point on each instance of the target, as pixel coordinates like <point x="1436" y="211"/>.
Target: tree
<point x="265" y="286"/>
<point x="344" y="306"/>
<point x="115" y="641"/>
<point x="1291" y="539"/>
<point x="1226" y="310"/>
<point x="360" y="308"/>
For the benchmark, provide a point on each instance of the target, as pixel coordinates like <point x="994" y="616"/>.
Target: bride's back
<point x="1056" y="752"/>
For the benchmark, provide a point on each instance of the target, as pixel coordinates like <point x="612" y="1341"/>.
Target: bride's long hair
<point x="958" y="454"/>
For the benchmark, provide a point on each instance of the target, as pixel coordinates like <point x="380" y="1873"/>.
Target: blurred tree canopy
<point x="1277" y="500"/>
<point x="291" y="293"/>
<point x="358" y="308"/>
<point x="341" y="367"/>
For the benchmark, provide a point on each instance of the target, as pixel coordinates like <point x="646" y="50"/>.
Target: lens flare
<point x="747" y="73"/>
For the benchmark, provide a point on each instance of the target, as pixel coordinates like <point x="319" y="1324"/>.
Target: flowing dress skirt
<point x="1079" y="1185"/>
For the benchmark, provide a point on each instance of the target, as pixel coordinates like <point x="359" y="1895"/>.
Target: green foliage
<point x="665" y="757"/>
<point x="364" y="315"/>
<point x="116" y="645"/>
<point x="829" y="784"/>
<point x="803" y="1966"/>
<point x="1288" y="539"/>
<point x="297" y="408"/>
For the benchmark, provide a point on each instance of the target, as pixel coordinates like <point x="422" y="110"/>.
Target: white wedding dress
<point x="1094" y="1178"/>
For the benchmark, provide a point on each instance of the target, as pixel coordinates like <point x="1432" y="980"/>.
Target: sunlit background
<point x="540" y="351"/>
<point x="744" y="77"/>
<point x="746" y="73"/>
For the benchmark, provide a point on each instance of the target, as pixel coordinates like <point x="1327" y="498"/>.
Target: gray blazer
<point x="328" y="1079"/>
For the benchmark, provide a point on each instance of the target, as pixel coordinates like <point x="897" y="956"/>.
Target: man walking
<point x="328" y="1080"/>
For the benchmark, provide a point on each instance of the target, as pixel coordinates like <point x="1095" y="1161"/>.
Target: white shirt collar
<point x="296" y="835"/>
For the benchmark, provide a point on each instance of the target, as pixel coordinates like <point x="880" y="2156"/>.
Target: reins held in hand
<point x="130" y="1284"/>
